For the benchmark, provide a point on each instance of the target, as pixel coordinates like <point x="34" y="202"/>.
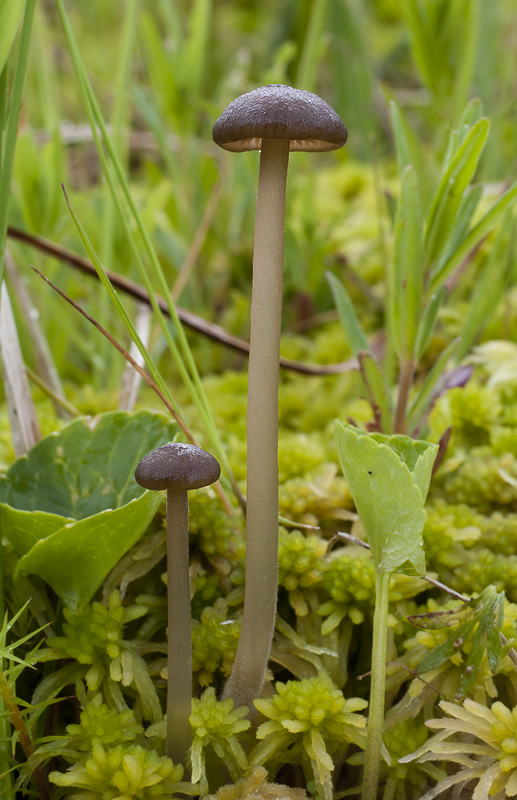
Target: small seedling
<point x="389" y="478"/>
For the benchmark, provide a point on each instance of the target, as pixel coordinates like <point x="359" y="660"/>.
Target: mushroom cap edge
<point x="277" y="111"/>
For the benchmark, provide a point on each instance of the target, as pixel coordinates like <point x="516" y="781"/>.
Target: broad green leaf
<point x="406" y="284"/>
<point x="473" y="238"/>
<point x="87" y="467"/>
<point x="75" y="559"/>
<point x="349" y="320"/>
<point x="25" y="528"/>
<point x="71" y="506"/>
<point x="11" y="13"/>
<point x="388" y="477"/>
<point x="377" y="390"/>
<point x="449" y="194"/>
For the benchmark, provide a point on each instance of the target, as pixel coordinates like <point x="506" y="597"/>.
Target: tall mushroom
<point x="274" y="119"/>
<point x="178" y="468"/>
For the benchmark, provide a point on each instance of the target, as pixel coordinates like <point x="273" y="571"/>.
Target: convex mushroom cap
<point x="279" y="112"/>
<point x="177" y="466"/>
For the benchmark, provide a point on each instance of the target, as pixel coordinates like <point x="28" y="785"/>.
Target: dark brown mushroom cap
<point x="279" y="112"/>
<point x="177" y="466"/>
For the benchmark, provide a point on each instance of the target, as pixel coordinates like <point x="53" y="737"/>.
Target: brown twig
<point x="354" y="540"/>
<point x="193" y="321"/>
<point x="142" y="373"/>
<point x="199" y="238"/>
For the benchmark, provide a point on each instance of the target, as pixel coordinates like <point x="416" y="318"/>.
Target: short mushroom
<point x="178" y="468"/>
<point x="274" y="119"/>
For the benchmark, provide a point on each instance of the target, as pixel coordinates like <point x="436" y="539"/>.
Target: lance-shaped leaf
<point x="476" y="624"/>
<point x="406" y="279"/>
<point x="10" y="17"/>
<point x="449" y="194"/>
<point x="474" y="236"/>
<point x="388" y="477"/>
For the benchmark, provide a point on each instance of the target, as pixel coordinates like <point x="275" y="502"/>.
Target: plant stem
<point x="179" y="667"/>
<point x="9" y="117"/>
<point x="258" y="622"/>
<point x="405" y="381"/>
<point x="377" y="691"/>
<point x="18" y="723"/>
<point x="114" y="172"/>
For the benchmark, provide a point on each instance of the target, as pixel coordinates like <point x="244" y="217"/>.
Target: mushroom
<point x="178" y="468"/>
<point x="275" y="120"/>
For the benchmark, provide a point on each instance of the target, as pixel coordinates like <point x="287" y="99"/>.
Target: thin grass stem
<point x="377" y="691"/>
<point x="187" y="367"/>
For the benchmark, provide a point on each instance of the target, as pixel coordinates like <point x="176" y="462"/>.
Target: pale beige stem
<point x="258" y="623"/>
<point x="179" y="684"/>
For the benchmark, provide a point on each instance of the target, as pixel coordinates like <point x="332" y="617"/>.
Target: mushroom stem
<point x="258" y="623"/>
<point x="179" y="684"/>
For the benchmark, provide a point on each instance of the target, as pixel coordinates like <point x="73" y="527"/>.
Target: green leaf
<point x="462" y="224"/>
<point x="425" y="396"/>
<point x="446" y="650"/>
<point x="402" y="146"/>
<point x="428" y="322"/>
<point x="406" y="284"/>
<point x="421" y="42"/>
<point x="25" y="528"/>
<point x="87" y="467"/>
<point x="71" y="506"/>
<point x="477" y="624"/>
<point x="75" y="559"/>
<point x="449" y="194"/>
<point x="349" y="320"/>
<point x="377" y="390"/>
<point x="388" y="477"/>
<point x="11" y="13"/>
<point x="494" y="645"/>
<point x="478" y="232"/>
<point x="471" y="114"/>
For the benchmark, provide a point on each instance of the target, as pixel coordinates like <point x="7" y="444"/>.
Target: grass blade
<point x="10" y="17"/>
<point x="312" y="47"/>
<point x="11" y="123"/>
<point x="406" y="279"/>
<point x="353" y="329"/>
<point x="117" y="181"/>
<point x="449" y="195"/>
<point x="475" y="235"/>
